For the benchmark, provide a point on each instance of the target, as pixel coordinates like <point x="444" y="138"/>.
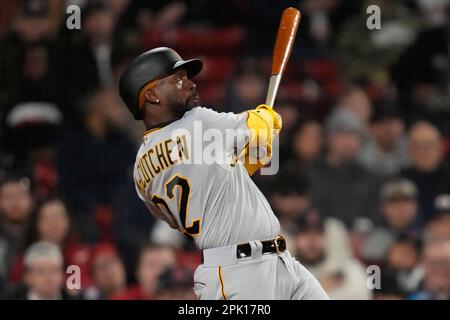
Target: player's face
<point x="179" y="92"/>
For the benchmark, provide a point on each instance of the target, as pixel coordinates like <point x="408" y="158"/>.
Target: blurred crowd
<point x="364" y="174"/>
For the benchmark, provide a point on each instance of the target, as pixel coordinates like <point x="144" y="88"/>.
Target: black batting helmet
<point x="149" y="66"/>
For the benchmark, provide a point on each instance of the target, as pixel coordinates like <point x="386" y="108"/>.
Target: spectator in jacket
<point x="427" y="170"/>
<point x="51" y="223"/>
<point x="342" y="276"/>
<point x="436" y="262"/>
<point x="385" y="151"/>
<point x="341" y="187"/>
<point x="401" y="273"/>
<point x="16" y="205"/>
<point x="102" y="154"/>
<point x="438" y="225"/>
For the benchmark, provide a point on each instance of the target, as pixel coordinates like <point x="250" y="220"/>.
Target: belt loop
<point x="256" y="248"/>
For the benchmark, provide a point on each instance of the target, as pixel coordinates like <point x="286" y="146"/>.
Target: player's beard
<point x="191" y="102"/>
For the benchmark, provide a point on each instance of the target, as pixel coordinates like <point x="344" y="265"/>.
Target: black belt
<point x="276" y="245"/>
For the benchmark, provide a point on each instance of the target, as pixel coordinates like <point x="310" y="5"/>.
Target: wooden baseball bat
<point x="282" y="50"/>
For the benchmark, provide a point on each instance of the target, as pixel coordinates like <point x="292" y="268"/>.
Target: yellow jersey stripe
<point x="222" y="286"/>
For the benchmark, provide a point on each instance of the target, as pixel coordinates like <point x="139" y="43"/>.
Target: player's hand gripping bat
<point x="282" y="50"/>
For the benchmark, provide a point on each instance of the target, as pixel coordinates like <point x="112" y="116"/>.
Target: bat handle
<point x="274" y="83"/>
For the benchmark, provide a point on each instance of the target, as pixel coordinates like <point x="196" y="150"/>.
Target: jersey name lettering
<point x="161" y="156"/>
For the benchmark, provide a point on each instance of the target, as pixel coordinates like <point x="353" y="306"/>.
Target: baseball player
<point x="215" y="204"/>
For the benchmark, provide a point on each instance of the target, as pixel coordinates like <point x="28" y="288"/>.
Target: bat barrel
<point x="287" y="30"/>
<point x="285" y="39"/>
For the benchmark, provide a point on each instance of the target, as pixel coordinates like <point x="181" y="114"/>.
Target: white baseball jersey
<point x="214" y="203"/>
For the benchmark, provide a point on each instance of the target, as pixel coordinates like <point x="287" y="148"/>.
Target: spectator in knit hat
<point x="398" y="208"/>
<point x="340" y="186"/>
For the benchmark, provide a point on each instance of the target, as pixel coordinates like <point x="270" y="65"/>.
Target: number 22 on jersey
<point x="183" y="203"/>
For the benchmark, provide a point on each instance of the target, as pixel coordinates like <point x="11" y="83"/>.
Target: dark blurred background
<point x="364" y="175"/>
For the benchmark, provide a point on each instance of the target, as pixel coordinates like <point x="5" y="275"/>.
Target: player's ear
<point x="151" y="97"/>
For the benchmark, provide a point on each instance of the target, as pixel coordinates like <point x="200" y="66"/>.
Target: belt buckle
<point x="275" y="243"/>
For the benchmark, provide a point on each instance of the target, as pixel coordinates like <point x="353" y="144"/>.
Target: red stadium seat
<point x="217" y="68"/>
<point x="320" y="69"/>
<point x="212" y="94"/>
<point x="208" y="41"/>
